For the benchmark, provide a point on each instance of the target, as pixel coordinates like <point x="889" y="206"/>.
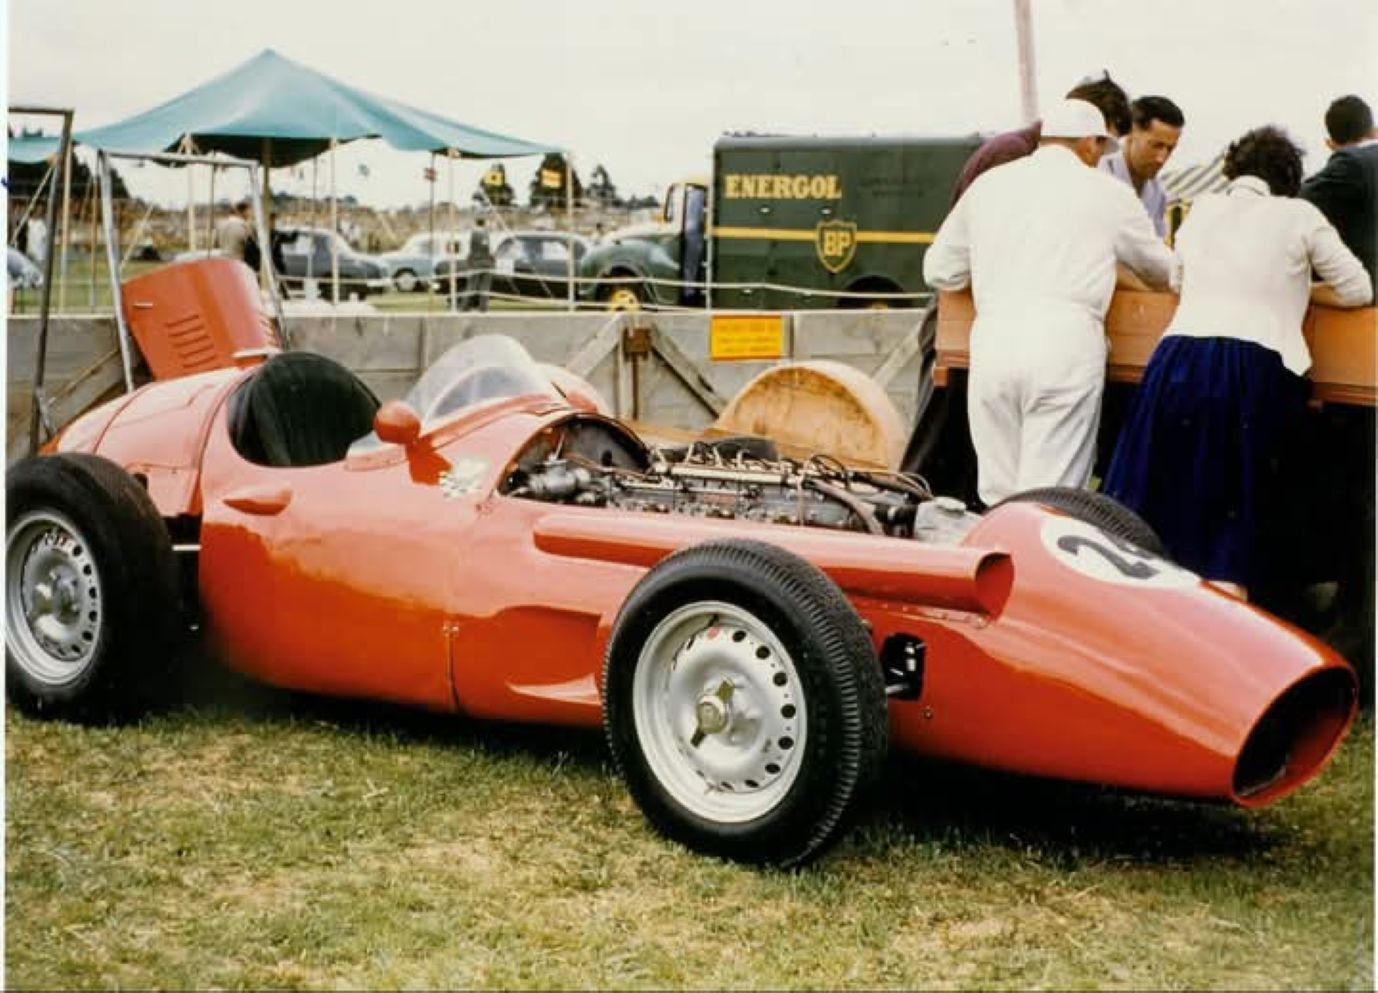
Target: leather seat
<point x="300" y="409"/>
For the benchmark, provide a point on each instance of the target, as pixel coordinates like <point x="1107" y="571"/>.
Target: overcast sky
<point x="645" y="87"/>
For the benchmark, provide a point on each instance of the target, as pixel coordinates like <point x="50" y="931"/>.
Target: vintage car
<point x="752" y="632"/>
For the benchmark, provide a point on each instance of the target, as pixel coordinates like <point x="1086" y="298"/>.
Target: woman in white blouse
<point x="1224" y="384"/>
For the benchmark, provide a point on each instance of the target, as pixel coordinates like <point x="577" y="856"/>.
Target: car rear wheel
<point x="90" y="591"/>
<point x="406" y="282"/>
<point x="1104" y="512"/>
<point x="625" y="297"/>
<point x="743" y="703"/>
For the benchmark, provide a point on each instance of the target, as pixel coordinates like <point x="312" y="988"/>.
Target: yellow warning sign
<point x="746" y="336"/>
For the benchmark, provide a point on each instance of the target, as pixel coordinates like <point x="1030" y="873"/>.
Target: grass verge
<point x="262" y="840"/>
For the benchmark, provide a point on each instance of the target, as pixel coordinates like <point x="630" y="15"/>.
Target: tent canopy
<point x="30" y="149"/>
<point x="273" y="106"/>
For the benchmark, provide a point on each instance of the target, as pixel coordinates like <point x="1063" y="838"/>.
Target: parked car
<point x="752" y="633"/>
<point x="412" y="266"/>
<point x="525" y="264"/>
<point x="306" y="255"/>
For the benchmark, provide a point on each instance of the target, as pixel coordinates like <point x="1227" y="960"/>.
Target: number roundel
<point x="1096" y="554"/>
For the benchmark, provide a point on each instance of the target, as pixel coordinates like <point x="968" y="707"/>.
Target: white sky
<point x="645" y="87"/>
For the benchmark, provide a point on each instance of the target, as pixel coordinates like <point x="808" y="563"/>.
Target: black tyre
<point x="743" y="703"/>
<point x="1111" y="516"/>
<point x="406" y="281"/>
<point x="90" y="591"/>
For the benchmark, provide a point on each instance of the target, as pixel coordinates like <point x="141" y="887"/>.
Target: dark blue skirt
<point x="1198" y="455"/>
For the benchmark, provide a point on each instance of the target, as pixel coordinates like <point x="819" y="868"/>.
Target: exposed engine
<point x="735" y="479"/>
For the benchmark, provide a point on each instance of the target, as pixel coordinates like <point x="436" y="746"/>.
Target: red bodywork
<point x="372" y="577"/>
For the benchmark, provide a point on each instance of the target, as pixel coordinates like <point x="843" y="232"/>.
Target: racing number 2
<point x="1130" y="561"/>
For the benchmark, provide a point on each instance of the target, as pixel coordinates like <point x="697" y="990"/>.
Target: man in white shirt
<point x="1144" y="151"/>
<point x="1038" y="240"/>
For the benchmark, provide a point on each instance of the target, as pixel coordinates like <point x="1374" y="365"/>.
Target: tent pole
<point x="334" y="231"/>
<point x="265" y="252"/>
<point x="185" y="149"/>
<point x="431" y="179"/>
<point x="93" y="191"/>
<point x="453" y="226"/>
<point x="569" y="214"/>
<point x="66" y="228"/>
<point x="210" y="215"/>
<point x="112" y="258"/>
<point x="38" y="413"/>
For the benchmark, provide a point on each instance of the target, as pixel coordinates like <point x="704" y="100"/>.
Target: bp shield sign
<point x="836" y="244"/>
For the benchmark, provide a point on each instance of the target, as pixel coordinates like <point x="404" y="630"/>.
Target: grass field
<point x="257" y="840"/>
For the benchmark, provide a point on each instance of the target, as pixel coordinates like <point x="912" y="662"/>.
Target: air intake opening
<point x="1294" y="736"/>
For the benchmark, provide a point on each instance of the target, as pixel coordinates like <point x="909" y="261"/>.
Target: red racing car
<point x="752" y="632"/>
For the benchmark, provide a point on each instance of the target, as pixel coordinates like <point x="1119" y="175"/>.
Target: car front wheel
<point x="743" y="703"/>
<point x="90" y="591"/>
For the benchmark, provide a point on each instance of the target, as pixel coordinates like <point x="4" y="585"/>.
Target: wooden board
<point x="1344" y="343"/>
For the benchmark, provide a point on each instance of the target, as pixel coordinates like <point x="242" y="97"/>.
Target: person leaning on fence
<point x="1038" y="240"/>
<point x="1224" y="384"/>
<point x="232" y="233"/>
<point x="1099" y="89"/>
<point x="1157" y="127"/>
<point x="1346" y="189"/>
<point x="479" y="275"/>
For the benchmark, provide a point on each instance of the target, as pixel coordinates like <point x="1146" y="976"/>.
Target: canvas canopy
<point x="280" y="112"/>
<point x="30" y="149"/>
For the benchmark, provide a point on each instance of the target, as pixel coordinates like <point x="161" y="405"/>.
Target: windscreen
<point x="483" y="368"/>
<point x="487" y="367"/>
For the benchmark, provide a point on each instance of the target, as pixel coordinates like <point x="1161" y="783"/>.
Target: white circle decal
<point x="1092" y="552"/>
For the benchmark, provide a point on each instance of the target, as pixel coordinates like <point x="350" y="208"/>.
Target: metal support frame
<point x="112" y="236"/>
<point x="38" y="417"/>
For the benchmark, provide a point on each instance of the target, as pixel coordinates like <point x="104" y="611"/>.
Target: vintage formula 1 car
<point x="752" y="632"/>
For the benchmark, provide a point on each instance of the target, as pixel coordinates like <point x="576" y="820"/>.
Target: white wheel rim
<point x="53" y="602"/>
<point x="406" y="282"/>
<point x="719" y="712"/>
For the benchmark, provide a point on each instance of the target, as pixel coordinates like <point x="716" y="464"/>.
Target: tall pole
<point x="185" y="149"/>
<point x="430" y="174"/>
<point x="66" y="227"/>
<point x="266" y="247"/>
<point x="569" y="218"/>
<point x="1028" y="72"/>
<point x="38" y="414"/>
<point x="334" y="230"/>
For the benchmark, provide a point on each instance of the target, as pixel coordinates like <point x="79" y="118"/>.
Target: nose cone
<point x="1110" y="665"/>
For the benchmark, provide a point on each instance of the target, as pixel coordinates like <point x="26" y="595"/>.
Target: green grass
<point x="261" y="840"/>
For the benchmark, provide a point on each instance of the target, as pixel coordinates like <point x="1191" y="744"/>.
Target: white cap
<point x="1074" y="119"/>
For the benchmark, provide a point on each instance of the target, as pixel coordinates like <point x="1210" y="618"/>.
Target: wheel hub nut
<point x="712" y="714"/>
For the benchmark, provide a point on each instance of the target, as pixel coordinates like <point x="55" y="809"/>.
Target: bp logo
<point x="836" y="244"/>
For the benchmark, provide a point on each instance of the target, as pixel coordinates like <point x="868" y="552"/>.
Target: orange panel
<point x="194" y="316"/>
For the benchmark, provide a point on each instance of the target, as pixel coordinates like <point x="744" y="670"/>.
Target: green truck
<point x="796" y="223"/>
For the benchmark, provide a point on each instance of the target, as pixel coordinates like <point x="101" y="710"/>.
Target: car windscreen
<point x="486" y="367"/>
<point x="483" y="368"/>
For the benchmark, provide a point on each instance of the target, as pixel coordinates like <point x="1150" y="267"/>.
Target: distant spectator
<point x="480" y="268"/>
<point x="1346" y="190"/>
<point x="232" y="233"/>
<point x="1157" y="127"/>
<point x="1224" y="385"/>
<point x="1099" y="89"/>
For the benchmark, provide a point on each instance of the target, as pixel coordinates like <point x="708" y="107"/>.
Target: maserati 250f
<point x="752" y="632"/>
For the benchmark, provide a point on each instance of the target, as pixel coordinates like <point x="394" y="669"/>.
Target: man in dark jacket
<point x="1100" y="90"/>
<point x="1346" y="190"/>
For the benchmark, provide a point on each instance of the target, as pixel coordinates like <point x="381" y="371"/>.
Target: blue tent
<point x="29" y="149"/>
<point x="279" y="112"/>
